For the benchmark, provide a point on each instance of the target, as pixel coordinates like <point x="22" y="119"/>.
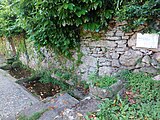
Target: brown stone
<point x="132" y="41"/>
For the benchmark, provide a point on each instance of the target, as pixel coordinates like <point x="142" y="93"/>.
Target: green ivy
<point x="140" y="12"/>
<point x="57" y="23"/>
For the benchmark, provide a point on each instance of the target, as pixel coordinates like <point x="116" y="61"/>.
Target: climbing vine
<point x="58" y="24"/>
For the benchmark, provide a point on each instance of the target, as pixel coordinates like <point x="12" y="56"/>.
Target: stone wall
<point x="114" y="51"/>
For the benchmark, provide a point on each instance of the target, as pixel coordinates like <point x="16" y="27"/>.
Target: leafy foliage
<point x="8" y="26"/>
<point x="146" y="96"/>
<point x="57" y="23"/>
<point x="102" y="81"/>
<point x="140" y="13"/>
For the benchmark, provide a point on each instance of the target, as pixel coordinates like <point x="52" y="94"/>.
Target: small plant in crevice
<point x="101" y="81"/>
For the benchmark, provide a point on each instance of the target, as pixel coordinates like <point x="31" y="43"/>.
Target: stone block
<point x="110" y="33"/>
<point x="105" y="70"/>
<point x="119" y="33"/>
<point x="157" y="56"/>
<point x="113" y="38"/>
<point x="130" y="57"/>
<point x="115" y="55"/>
<point x="108" y="92"/>
<point x="132" y="41"/>
<point x="125" y="37"/>
<point x="129" y="33"/>
<point x="146" y="59"/>
<point x="115" y="63"/>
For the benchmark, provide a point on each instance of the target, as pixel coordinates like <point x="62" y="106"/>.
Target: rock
<point x="111" y="44"/>
<point x="125" y="37"/>
<point x="78" y="112"/>
<point x="155" y="64"/>
<point x="108" y="92"/>
<point x="157" y="78"/>
<point x="146" y="59"/>
<point x="119" y="33"/>
<point x="150" y="70"/>
<point x="130" y="57"/>
<point x="104" y="62"/>
<point x="99" y="43"/>
<point x="132" y="41"/>
<point x="128" y="34"/>
<point x="54" y="106"/>
<point x="121" y="43"/>
<point x="115" y="63"/>
<point x="78" y="94"/>
<point x="115" y="55"/>
<point x="113" y="38"/>
<point x="157" y="56"/>
<point x="123" y="49"/>
<point x="110" y="33"/>
<point x="105" y="70"/>
<point x="89" y="61"/>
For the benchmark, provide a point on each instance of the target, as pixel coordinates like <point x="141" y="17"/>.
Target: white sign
<point x="147" y="40"/>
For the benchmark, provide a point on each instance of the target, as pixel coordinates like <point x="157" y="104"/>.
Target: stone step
<point x="80" y="110"/>
<point x="53" y="107"/>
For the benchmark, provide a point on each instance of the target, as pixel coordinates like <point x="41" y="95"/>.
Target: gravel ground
<point x="13" y="98"/>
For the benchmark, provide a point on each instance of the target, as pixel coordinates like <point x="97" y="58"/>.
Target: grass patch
<point x="141" y="100"/>
<point x="102" y="81"/>
<point x="35" y="116"/>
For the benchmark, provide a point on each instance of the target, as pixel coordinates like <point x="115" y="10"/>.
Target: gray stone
<point x="113" y="38"/>
<point x="54" y="106"/>
<point x="99" y="43"/>
<point x="89" y="61"/>
<point x="121" y="49"/>
<point x="129" y="34"/>
<point x="157" y="56"/>
<point x="157" y="78"/>
<point x="105" y="70"/>
<point x="150" y="70"/>
<point x="111" y="44"/>
<point x="132" y="41"/>
<point x="130" y="57"/>
<point x="79" y="112"/>
<point x="115" y="63"/>
<point x="60" y="104"/>
<point x="115" y="55"/>
<point x="146" y="59"/>
<point x="110" y="33"/>
<point x="155" y="63"/>
<point x="119" y="33"/>
<point x="13" y="97"/>
<point x="121" y="43"/>
<point x="125" y="37"/>
<point x="107" y="92"/>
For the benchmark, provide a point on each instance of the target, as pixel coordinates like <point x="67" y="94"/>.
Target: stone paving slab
<point x="13" y="98"/>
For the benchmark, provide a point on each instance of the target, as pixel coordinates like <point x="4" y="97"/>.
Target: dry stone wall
<point x="116" y="51"/>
